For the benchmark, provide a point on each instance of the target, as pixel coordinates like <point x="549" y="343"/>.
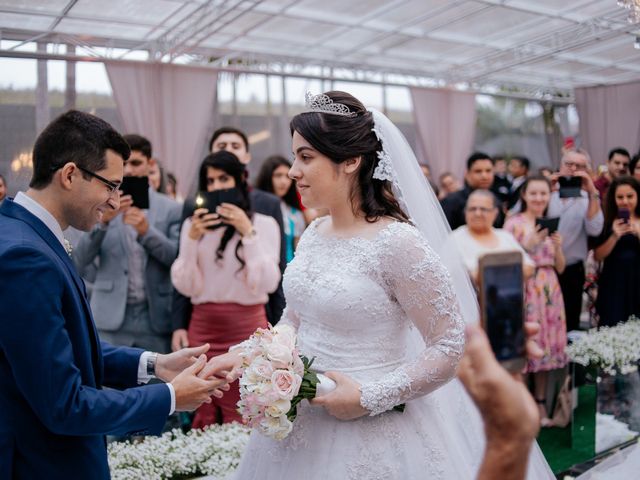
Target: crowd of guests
<point x="499" y="208"/>
<point x="173" y="274"/>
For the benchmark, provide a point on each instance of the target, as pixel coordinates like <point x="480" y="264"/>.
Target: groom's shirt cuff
<point x="143" y="377"/>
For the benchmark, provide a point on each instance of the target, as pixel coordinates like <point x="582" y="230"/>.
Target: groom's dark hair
<point x="76" y="137"/>
<point x="340" y="138"/>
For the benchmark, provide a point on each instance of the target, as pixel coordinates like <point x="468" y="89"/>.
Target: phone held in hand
<point x="211" y="201"/>
<point x="548" y="223"/>
<point x="624" y="214"/>
<point x="138" y="188"/>
<point x="501" y="293"/>
<point x="570" y="187"/>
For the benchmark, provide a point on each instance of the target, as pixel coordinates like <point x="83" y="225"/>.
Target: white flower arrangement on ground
<point x="214" y="451"/>
<point x="613" y="349"/>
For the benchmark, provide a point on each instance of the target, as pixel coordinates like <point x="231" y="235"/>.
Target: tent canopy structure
<point x="542" y="48"/>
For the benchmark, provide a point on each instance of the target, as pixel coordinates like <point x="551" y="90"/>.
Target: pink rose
<point x="285" y="383"/>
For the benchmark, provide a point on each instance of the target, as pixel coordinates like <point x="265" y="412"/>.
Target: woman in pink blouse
<point x="228" y="264"/>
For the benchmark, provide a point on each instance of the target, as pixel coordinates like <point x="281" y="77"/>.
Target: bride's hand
<point x="343" y="402"/>
<point x="226" y="365"/>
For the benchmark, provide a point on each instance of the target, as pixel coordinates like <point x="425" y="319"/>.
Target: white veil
<point x="398" y="164"/>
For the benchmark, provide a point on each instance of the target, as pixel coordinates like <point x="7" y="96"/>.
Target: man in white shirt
<point x="54" y="411"/>
<point x="580" y="218"/>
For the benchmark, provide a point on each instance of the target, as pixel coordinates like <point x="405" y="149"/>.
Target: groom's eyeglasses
<point x="112" y="186"/>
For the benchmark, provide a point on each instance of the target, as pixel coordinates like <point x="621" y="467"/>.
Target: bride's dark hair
<point x="340" y="138"/>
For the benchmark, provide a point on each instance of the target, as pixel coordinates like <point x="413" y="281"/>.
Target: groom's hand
<point x="170" y="365"/>
<point x="343" y="402"/>
<point x="192" y="391"/>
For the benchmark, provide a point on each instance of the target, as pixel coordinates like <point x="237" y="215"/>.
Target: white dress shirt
<point x="52" y="224"/>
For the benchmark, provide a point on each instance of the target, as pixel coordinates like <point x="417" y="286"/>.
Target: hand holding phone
<point x="501" y="295"/>
<point x="138" y="189"/>
<point x="621" y="228"/>
<point x="548" y="223"/>
<point x="624" y="214"/>
<point x="570" y="187"/>
<point x="201" y="222"/>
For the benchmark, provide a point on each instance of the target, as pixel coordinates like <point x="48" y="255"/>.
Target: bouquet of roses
<point x="275" y="379"/>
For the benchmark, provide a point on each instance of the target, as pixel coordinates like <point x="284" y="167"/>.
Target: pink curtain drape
<point x="446" y="128"/>
<point x="609" y="118"/>
<point x="171" y="105"/>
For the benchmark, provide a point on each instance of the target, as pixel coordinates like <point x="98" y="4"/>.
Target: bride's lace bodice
<point x="359" y="305"/>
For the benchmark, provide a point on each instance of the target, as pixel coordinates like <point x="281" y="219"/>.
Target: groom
<point x="54" y="412"/>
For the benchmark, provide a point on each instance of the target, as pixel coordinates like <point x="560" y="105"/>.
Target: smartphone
<point x="549" y="223"/>
<point x="624" y="214"/>
<point x="570" y="187"/>
<point x="211" y="201"/>
<point x="138" y="188"/>
<point x="501" y="292"/>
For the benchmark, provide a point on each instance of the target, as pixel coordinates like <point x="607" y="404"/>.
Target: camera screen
<point x="503" y="309"/>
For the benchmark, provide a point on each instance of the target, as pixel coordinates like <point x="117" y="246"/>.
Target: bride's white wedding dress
<point x="359" y="305"/>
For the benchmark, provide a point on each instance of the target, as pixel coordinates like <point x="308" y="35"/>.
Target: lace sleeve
<point x="422" y="286"/>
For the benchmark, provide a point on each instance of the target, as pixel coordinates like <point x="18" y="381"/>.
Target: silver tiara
<point x="322" y="103"/>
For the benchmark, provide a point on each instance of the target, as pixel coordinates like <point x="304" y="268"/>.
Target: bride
<point x="379" y="308"/>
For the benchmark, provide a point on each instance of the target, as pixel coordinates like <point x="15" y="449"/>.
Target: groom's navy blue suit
<point x="53" y="411"/>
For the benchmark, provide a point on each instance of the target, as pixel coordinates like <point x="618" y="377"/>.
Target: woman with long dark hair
<point x="544" y="301"/>
<point x="227" y="265"/>
<point x="377" y="308"/>
<point x="274" y="178"/>
<point x="619" y="250"/>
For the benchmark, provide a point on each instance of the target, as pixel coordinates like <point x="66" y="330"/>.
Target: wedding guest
<point x="172" y="188"/>
<point x="3" y="189"/>
<point x="133" y="249"/>
<point x="634" y="167"/>
<point x="618" y="248"/>
<point x="156" y="176"/>
<point x="448" y="183"/>
<point x="479" y="174"/>
<point x="518" y="170"/>
<point x="544" y="303"/>
<point x="233" y="140"/>
<point x="501" y="180"/>
<point x="580" y="217"/>
<point x="274" y="178"/>
<point x="478" y="237"/>
<point x="617" y="165"/>
<point x="227" y="266"/>
<point x="426" y="171"/>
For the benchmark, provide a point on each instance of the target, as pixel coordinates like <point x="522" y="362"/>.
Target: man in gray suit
<point x="134" y="249"/>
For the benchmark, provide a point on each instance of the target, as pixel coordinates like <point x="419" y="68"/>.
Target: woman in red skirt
<point x="228" y="264"/>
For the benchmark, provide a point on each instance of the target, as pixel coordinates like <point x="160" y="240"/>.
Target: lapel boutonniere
<point x="67" y="246"/>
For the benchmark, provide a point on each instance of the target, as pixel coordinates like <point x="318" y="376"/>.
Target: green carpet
<point x="564" y="447"/>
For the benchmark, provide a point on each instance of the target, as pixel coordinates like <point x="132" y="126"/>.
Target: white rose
<point x="285" y="335"/>
<point x="277" y="428"/>
<point x="278" y="408"/>
<point x="279" y="354"/>
<point x="262" y="367"/>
